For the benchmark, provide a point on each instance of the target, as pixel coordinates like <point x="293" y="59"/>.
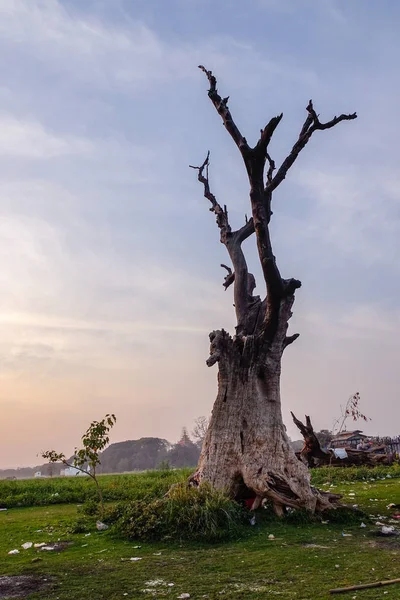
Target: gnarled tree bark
<point x="246" y="448"/>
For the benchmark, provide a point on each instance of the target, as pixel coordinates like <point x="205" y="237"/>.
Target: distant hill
<point x="131" y="455"/>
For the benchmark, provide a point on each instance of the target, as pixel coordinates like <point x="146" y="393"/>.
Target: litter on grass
<point x="27" y="545"/>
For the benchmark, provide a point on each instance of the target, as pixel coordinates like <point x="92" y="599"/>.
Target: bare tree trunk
<point x="246" y="449"/>
<point x="246" y="446"/>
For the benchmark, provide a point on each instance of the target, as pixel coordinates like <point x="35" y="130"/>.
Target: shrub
<point x="80" y="525"/>
<point x="91" y="508"/>
<point x="186" y="513"/>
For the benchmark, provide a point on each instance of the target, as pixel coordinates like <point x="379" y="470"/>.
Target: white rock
<point x="14" y="552"/>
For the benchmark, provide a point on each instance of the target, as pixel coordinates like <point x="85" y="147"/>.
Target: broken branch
<point x="221" y="105"/>
<point x="221" y="213"/>
<point x="244" y="283"/>
<point x="363" y="586"/>
<point x="230" y="278"/>
<point x="311" y="124"/>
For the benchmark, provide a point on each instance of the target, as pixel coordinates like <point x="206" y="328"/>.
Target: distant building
<point x="38" y="474"/>
<point x="348" y="439"/>
<point x="73" y="472"/>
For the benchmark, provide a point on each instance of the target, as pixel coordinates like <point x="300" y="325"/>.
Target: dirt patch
<point x="387" y="544"/>
<point x="55" y="547"/>
<point x="19" y="586"/>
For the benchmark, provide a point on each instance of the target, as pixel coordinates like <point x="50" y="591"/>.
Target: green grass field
<point x="302" y="562"/>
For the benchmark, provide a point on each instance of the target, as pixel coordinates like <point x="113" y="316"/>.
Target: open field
<point x="302" y="562"/>
<point x="58" y="490"/>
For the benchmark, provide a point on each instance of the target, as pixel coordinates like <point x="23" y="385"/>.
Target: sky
<point x="110" y="279"/>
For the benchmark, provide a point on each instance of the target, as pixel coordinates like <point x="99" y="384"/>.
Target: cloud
<point x="355" y="215"/>
<point x="131" y="56"/>
<point x="87" y="49"/>
<point x="29" y="139"/>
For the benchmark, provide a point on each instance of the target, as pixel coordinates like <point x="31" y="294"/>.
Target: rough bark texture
<point x="312" y="454"/>
<point x="246" y="450"/>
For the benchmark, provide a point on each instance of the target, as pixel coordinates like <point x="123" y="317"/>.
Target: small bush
<point x="186" y="513"/>
<point x="91" y="508"/>
<point x="80" y="525"/>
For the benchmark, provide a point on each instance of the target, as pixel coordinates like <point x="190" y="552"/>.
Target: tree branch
<point x="311" y="124"/>
<point x="230" y="278"/>
<point x="221" y="105"/>
<point x="221" y="213"/>
<point x="244" y="232"/>
<point x="244" y="282"/>
<point x="290" y="339"/>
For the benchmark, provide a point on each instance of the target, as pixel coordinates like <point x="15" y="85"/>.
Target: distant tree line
<point x="149" y="453"/>
<point x="133" y="455"/>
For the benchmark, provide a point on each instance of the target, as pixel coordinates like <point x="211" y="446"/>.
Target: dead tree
<point x="313" y="456"/>
<point x="246" y="448"/>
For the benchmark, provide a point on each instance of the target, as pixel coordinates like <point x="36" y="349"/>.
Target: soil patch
<point x="387" y="544"/>
<point x="55" y="547"/>
<point x="19" y="586"/>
